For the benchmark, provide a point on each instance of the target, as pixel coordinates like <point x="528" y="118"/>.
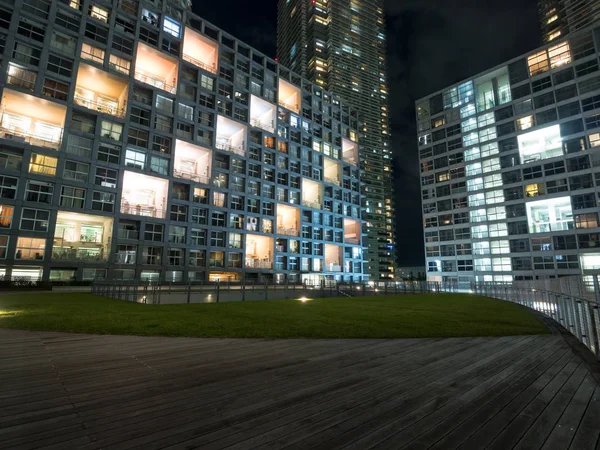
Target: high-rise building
<point x="510" y="168"/>
<point x="561" y="17"/>
<point x="138" y="141"/>
<point x="341" y="45"/>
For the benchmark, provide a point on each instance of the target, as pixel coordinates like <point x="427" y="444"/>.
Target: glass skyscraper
<point x="341" y="46"/>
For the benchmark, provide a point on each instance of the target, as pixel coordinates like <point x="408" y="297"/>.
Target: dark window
<point x="504" y="113"/>
<point x="544" y="100"/>
<point x="586" y="68"/>
<point x="568" y="110"/>
<point x="541" y="84"/>
<point x="517" y="71"/>
<point x="566" y="93"/>
<point x="505" y="128"/>
<point x="563" y="76"/>
<point x="546" y="116"/>
<point x="572" y="127"/>
<point x="521" y="91"/>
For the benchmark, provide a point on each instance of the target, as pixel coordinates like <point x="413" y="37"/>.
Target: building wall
<point x="138" y="141"/>
<point x="341" y="46"/>
<point x="510" y="167"/>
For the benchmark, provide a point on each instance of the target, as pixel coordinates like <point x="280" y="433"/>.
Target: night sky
<point x="431" y="44"/>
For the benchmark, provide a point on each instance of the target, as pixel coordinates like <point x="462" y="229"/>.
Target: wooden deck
<point x="113" y="392"/>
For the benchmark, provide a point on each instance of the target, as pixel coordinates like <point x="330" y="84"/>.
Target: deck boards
<point x="60" y="390"/>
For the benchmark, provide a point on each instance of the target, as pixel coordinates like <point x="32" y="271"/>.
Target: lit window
<point x="30" y="248"/>
<point x="538" y="63"/>
<point x="45" y="165"/>
<point x="550" y="215"/>
<point x="135" y="159"/>
<point x="559" y="55"/>
<point x="92" y="53"/>
<point x="524" y="123"/>
<point x="172" y="27"/>
<point x="552" y="19"/>
<point x="540" y="144"/>
<point x="99" y="13"/>
<point x="553" y="35"/>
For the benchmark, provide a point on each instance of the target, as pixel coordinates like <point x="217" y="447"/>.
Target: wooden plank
<point x="588" y="432"/>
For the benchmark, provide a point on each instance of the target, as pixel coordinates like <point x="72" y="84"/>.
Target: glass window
<point x="538" y="63"/>
<point x="550" y="215"/>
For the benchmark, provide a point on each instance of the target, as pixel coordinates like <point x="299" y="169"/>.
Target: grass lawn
<point x="427" y="315"/>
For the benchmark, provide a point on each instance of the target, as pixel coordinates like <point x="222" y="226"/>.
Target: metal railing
<point x="290" y="106"/>
<point x="142" y="210"/>
<point x="223" y="144"/>
<point x="208" y="67"/>
<point x="39" y="140"/>
<point x="258" y="124"/>
<point x="167" y="292"/>
<point x="191" y="176"/>
<point x="574" y="302"/>
<point x="113" y="110"/>
<point x="154" y="81"/>
<point x="288" y="231"/>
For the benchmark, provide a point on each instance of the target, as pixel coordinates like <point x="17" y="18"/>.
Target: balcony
<point x="129" y="234"/>
<point x="144" y="195"/>
<point x="192" y="162"/>
<point x="231" y="136"/>
<point x="258" y="252"/>
<point x="31" y="120"/>
<point x="288" y="220"/>
<point x="352" y="231"/>
<point x="262" y="114"/>
<point x="100" y="91"/>
<point x="312" y="194"/>
<point x="289" y="96"/>
<point x="333" y="256"/>
<point x="81" y="237"/>
<point x="156" y="69"/>
<point x="255" y="263"/>
<point x="200" y="51"/>
<point x="350" y="152"/>
<point x="288" y="231"/>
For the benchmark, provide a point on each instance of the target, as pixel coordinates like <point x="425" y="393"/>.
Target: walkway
<point x="114" y="392"/>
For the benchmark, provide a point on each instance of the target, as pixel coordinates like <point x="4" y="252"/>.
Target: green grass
<point x="441" y="315"/>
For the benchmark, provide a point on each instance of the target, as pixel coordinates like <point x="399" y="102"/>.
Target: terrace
<point x="332" y="171"/>
<point x="192" y="162"/>
<point x="82" y="237"/>
<point x="29" y="119"/>
<point x="144" y="195"/>
<point x="289" y="96"/>
<point x="312" y="194"/>
<point x="156" y="69"/>
<point x="100" y="91"/>
<point x="333" y="258"/>
<point x="288" y="220"/>
<point x="262" y="114"/>
<point x="231" y="136"/>
<point x="200" y="50"/>
<point x="258" y="252"/>
<point x="351" y="231"/>
<point x="350" y="151"/>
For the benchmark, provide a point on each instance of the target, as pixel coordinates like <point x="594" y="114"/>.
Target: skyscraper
<point x="561" y="17"/>
<point x="341" y="45"/>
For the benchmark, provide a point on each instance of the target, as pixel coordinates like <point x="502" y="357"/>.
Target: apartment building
<point x="561" y="17"/>
<point x="341" y="46"/>
<point x="139" y="142"/>
<point x="510" y="168"/>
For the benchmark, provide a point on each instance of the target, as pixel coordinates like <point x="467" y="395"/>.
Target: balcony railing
<point x="142" y="210"/>
<point x="97" y="254"/>
<point x="191" y="176"/>
<point x="290" y="106"/>
<point x="333" y="267"/>
<point x="311" y="204"/>
<point x="129" y="234"/>
<point x="128" y="6"/>
<point x="154" y="81"/>
<point x="332" y="181"/>
<point x="224" y="144"/>
<point x="265" y="126"/>
<point x="21" y="78"/>
<point x="255" y="263"/>
<point x="126" y="257"/>
<point x="100" y="107"/>
<point x="39" y="140"/>
<point x="208" y="67"/>
<point x="288" y="231"/>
